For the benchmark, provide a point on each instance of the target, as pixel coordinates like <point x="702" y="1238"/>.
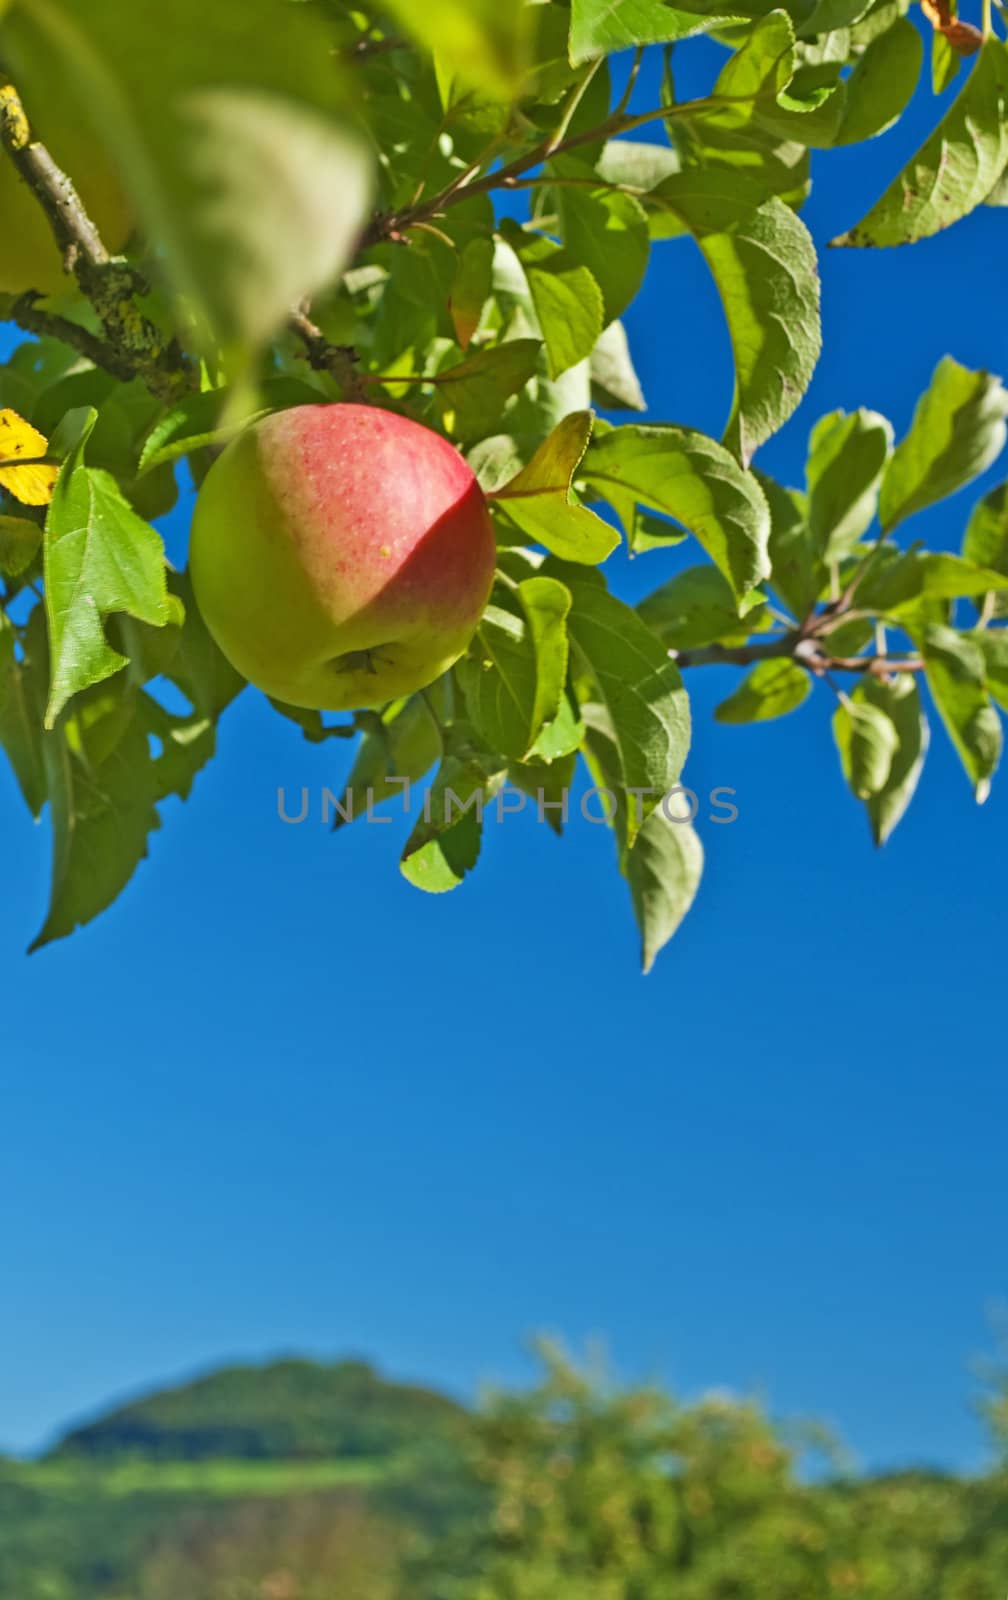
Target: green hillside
<point x="136" y="1503"/>
<point x="286" y="1411"/>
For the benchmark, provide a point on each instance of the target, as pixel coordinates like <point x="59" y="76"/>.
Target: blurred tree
<point x="312" y="1548"/>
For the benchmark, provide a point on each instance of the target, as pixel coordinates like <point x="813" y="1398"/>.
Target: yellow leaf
<point x="33" y="482"/>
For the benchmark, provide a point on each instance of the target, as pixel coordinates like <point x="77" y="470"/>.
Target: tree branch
<point x="795" y="646"/>
<point x="138" y="348"/>
<point x="339" y="360"/>
<point x="393" y="225"/>
<point x="28" y="316"/>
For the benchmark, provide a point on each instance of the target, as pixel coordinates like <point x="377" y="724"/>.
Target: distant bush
<point x="626" y="1495"/>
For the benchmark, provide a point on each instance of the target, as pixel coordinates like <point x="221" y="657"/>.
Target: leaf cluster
<point x="319" y="223"/>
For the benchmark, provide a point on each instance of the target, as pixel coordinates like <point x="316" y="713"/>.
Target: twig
<point x="559" y="135"/>
<point x="338" y="360"/>
<point x="631" y="83"/>
<point x="46" y="323"/>
<point x="139" y="347"/>
<point x="796" y="646"/>
<point x="393" y="225"/>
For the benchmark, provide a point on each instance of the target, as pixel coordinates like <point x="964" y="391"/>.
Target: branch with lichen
<point x="338" y="360"/>
<point x="133" y="346"/>
<point x="30" y="316"/>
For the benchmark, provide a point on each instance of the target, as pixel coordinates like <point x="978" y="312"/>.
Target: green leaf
<point x="882" y="16"/>
<point x="645" y="530"/>
<point x="312" y="724"/>
<point x="999" y="194"/>
<point x="661" y="858"/>
<point x="548" y="784"/>
<point x="243" y="166"/>
<point x="956" y="675"/>
<point x="471" y="394"/>
<point x="899" y="700"/>
<point x="932" y="575"/>
<point x="196" y="420"/>
<point x="614" y="382"/>
<point x="399" y="748"/>
<point x="599" y="27"/>
<point x="796" y="573"/>
<point x="101" y="802"/>
<point x="471" y="288"/>
<point x="739" y="145"/>
<point x="446" y="842"/>
<point x="567" y="300"/>
<point x="605" y="230"/>
<point x="20" y="541"/>
<point x="828" y="15"/>
<point x="882" y="83"/>
<point x="188" y="658"/>
<point x="986" y="539"/>
<point x="22" y="701"/>
<point x="763" y="65"/>
<point x="868" y="741"/>
<point x="847" y="455"/>
<point x="540" y="499"/>
<point x="484" y="41"/>
<point x="772" y="689"/>
<point x="100" y="557"/>
<point x="663" y="869"/>
<point x="687" y="476"/>
<point x="636" y="164"/>
<point x="766" y="85"/>
<point x="945" y="63"/>
<point x="764" y="264"/>
<point x="957" y="167"/>
<point x="514" y="676"/>
<point x="641" y="689"/>
<point x="198" y="666"/>
<point x="560" y="737"/>
<point x="957" y="431"/>
<point x="698" y="607"/>
<point x="993" y="643"/>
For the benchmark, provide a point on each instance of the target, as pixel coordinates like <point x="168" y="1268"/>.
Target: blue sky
<point x="277" y="1100"/>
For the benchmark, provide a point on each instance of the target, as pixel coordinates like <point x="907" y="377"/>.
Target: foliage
<point x="610" y="1495"/>
<point x="318" y="223"/>
<point x="574" y="1489"/>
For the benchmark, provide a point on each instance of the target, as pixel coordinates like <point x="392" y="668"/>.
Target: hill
<point x="285" y="1411"/>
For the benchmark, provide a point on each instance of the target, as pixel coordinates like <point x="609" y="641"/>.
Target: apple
<point x="29" y="256"/>
<point x="341" y="555"/>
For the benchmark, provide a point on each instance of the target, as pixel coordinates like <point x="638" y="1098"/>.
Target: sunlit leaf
<point x="696" y="481"/>
<point x="540" y="500"/>
<point x="957" y="167"/>
<point x="764" y="265"/>
<point x="513" y="677"/>
<point x="958" y="429"/>
<point x="956" y="675"/>
<point x="639" y="686"/>
<point x="100" y="557"/>
<point x="600" y="26"/>
<point x="847" y="456"/>
<point x="771" y="689"/>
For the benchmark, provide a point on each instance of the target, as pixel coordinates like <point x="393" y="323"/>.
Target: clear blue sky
<point x="278" y="1100"/>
